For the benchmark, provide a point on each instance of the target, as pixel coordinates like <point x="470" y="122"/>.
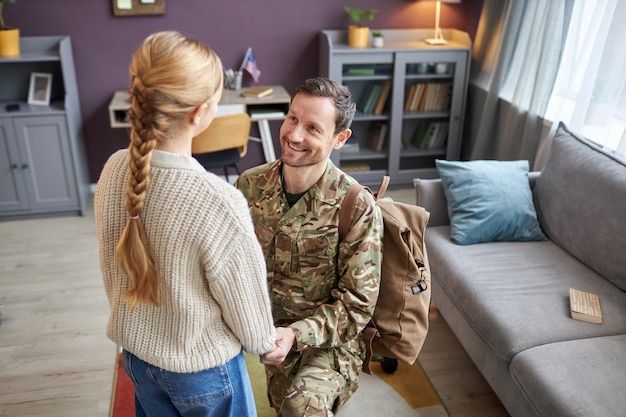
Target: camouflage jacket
<point x="324" y="289"/>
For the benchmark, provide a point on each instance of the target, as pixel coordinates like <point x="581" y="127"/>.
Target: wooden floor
<point x="55" y="359"/>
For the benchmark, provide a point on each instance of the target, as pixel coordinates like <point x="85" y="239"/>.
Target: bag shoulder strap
<point x="345" y="212"/>
<point x="384" y="183"/>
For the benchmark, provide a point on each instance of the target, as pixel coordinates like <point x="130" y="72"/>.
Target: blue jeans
<point x="223" y="391"/>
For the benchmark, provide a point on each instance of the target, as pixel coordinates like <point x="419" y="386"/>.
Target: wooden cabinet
<point x="39" y="162"/>
<point x="422" y="115"/>
<point x="42" y="164"/>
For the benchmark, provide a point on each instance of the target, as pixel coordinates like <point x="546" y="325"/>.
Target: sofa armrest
<point x="532" y="178"/>
<point x="430" y="195"/>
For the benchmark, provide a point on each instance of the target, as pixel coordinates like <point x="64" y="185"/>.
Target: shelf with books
<point x="371" y="96"/>
<point x="380" y="80"/>
<point x="427" y="134"/>
<point x="368" y="141"/>
<point x="423" y="96"/>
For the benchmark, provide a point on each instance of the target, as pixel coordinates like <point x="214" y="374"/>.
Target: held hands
<point x="285" y="338"/>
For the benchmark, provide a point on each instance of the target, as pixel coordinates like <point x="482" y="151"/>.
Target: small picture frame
<point x="138" y="7"/>
<point x="40" y="88"/>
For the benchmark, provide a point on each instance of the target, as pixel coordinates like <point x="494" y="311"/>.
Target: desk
<point x="261" y="110"/>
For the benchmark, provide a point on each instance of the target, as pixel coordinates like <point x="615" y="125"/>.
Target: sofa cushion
<point x="489" y="201"/>
<point x="580" y="198"/>
<point x="574" y="378"/>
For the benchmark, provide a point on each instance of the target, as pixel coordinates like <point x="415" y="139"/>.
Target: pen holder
<point x="233" y="80"/>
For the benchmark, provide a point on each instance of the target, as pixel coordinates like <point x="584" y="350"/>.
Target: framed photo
<point x="40" y="87"/>
<point x="138" y="7"/>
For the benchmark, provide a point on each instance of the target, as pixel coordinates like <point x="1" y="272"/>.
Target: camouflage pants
<point x="314" y="382"/>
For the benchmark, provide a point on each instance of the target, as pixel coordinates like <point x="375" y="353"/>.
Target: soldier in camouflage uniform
<point x="323" y="291"/>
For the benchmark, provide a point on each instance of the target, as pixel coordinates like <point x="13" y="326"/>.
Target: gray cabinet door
<point x="12" y="189"/>
<point x="43" y="144"/>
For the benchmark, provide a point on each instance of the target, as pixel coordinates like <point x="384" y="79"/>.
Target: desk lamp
<point x="438" y="39"/>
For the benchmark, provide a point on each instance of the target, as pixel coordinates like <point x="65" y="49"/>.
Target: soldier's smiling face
<point x="307" y="136"/>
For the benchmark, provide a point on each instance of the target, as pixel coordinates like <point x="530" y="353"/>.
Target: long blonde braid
<point x="171" y="75"/>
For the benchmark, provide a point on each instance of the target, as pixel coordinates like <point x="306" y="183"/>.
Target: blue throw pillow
<point x="489" y="201"/>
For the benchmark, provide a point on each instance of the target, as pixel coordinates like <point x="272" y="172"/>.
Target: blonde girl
<point x="181" y="266"/>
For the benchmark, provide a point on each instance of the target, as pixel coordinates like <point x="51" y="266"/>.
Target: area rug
<point x="405" y="393"/>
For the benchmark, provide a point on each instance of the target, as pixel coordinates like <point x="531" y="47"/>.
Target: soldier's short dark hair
<point x="323" y="87"/>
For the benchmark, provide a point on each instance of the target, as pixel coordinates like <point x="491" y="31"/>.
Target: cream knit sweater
<point x="214" y="296"/>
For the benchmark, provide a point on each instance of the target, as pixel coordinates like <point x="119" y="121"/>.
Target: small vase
<point x="378" y="41"/>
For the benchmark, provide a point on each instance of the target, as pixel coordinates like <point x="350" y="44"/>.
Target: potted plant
<point x="377" y="39"/>
<point x="358" y="34"/>
<point x="9" y="37"/>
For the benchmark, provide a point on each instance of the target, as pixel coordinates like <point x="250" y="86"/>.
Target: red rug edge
<point x="123" y="400"/>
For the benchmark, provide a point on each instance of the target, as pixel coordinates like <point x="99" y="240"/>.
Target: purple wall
<point x="282" y="33"/>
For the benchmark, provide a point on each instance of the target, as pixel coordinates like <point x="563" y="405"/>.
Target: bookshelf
<point x="413" y="92"/>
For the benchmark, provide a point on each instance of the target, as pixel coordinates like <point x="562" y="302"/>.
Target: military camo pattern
<point x="323" y="289"/>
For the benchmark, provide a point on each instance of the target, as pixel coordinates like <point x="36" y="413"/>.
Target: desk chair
<point x="223" y="143"/>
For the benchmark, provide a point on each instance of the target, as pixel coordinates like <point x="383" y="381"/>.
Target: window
<point x="590" y="90"/>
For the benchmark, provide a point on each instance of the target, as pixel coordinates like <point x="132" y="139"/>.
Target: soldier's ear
<point x="341" y="138"/>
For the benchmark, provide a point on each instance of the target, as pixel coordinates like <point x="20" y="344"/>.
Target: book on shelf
<point x="352" y="145"/>
<point x="378" y="134"/>
<point x="354" y="166"/>
<point x="373" y="97"/>
<point x="585" y="306"/>
<point x="382" y="97"/>
<point x="423" y="133"/>
<point x="418" y="96"/>
<point x="437" y="97"/>
<point x="421" y="96"/>
<point x="439" y="135"/>
<point x="360" y="71"/>
<point x="265" y="113"/>
<point x="410" y="92"/>
<point x="382" y="136"/>
<point x="366" y="95"/>
<point x="443" y="96"/>
<point x="257" y="92"/>
<point x="430" y="100"/>
<point x="430" y="134"/>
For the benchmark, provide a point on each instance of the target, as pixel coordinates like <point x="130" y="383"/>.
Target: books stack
<point x="354" y="166"/>
<point x="374" y="98"/>
<point x="428" y="96"/>
<point x="351" y="145"/>
<point x="257" y="92"/>
<point x="430" y="134"/>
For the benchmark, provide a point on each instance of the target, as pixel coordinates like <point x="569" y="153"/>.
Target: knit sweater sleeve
<point x="239" y="280"/>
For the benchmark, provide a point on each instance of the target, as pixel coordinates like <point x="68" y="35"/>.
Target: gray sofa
<point x="508" y="302"/>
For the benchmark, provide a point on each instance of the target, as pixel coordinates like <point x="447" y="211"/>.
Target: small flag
<point x="249" y="64"/>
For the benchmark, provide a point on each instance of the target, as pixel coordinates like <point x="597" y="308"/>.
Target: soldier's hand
<point x="285" y="338"/>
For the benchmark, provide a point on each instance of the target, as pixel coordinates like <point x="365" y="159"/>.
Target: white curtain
<point x="515" y="59"/>
<point x="590" y="89"/>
